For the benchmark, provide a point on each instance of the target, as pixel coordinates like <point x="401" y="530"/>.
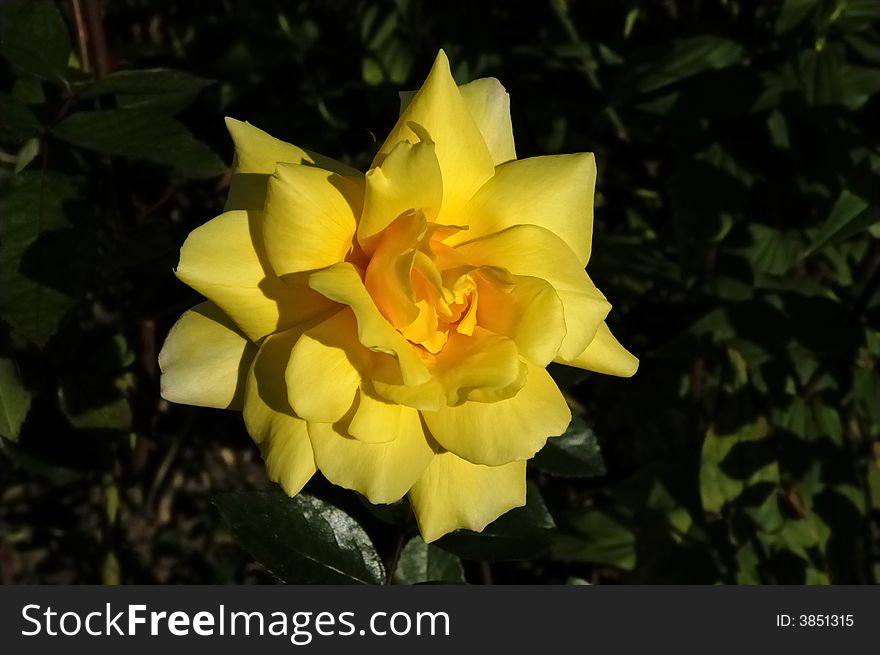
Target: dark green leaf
<point x="773" y="252"/>
<point x="302" y="539"/>
<point x="682" y="59"/>
<point x="420" y="562"/>
<point x="160" y="89"/>
<point x="15" y="400"/>
<point x="519" y="534"/>
<point x="33" y="36"/>
<point x="17" y="118"/>
<point x="849" y="216"/>
<point x="29" y="90"/>
<point x="793" y="13"/>
<point x="32" y="205"/>
<point x="859" y="84"/>
<point x="139" y="134"/>
<point x="575" y="454"/>
<point x="597" y="538"/>
<point x="820" y="73"/>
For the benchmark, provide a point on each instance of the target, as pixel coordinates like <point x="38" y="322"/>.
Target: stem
<point x="82" y="35"/>
<point x="96" y="36"/>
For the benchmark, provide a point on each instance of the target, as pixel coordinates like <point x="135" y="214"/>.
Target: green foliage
<point x="302" y="539"/>
<point x="15" y="401"/>
<point x="420" y="562"/>
<point x="140" y="134"/>
<point x="34" y="38"/>
<point x="736" y="235"/>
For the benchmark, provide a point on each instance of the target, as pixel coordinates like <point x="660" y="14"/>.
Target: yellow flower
<point x="393" y="329"/>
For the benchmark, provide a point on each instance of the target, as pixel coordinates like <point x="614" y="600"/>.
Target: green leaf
<point x="859" y="84"/>
<point x="114" y="415"/>
<point x="17" y="118"/>
<point x="15" y="401"/>
<point x="140" y="134"/>
<point x="160" y="89"/>
<point x="26" y="154"/>
<point x="575" y="454"/>
<point x="420" y="562"/>
<point x="820" y="72"/>
<point x="598" y="539"/>
<point x="849" y="216"/>
<point x="521" y="533"/>
<point x="773" y="252"/>
<point x="682" y="59"/>
<point x="733" y="461"/>
<point x="32" y="205"/>
<point x="793" y="13"/>
<point x="302" y="539"/>
<point x="33" y="36"/>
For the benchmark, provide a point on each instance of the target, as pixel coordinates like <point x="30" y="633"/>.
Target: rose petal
<point x="439" y="110"/>
<point x="495" y="433"/>
<point x="383" y="472"/>
<point x="605" y="355"/>
<point x="408" y="179"/>
<point x="256" y="155"/>
<point x="310" y="217"/>
<point x="489" y="104"/>
<point x="453" y="493"/>
<point x="205" y="359"/>
<point x="321" y="378"/>
<point x="221" y="261"/>
<point x="554" y="192"/>
<point x="537" y="252"/>
<point x="525" y="309"/>
<point x="282" y="437"/>
<point x="342" y="283"/>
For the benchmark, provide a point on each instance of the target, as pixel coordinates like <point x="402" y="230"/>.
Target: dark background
<point x="736" y="235"/>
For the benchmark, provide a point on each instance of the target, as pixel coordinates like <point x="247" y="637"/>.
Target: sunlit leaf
<point x="420" y="562"/>
<point x="302" y="539"/>
<point x="574" y="454"/>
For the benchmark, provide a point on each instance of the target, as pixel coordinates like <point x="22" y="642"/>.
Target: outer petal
<point x="223" y="262"/>
<point x="282" y="437"/>
<point x="453" y="493"/>
<point x="256" y="155"/>
<point x="321" y="378"/>
<point x="408" y="179"/>
<point x="605" y="355"/>
<point x="258" y="152"/>
<point x="383" y="472"/>
<point x="342" y="283"/>
<point x="489" y="104"/>
<point x="525" y="309"/>
<point x="205" y="360"/>
<point x="465" y="161"/>
<point x="500" y="432"/>
<point x="310" y="217"/>
<point x="554" y="192"/>
<point x="537" y="252"/>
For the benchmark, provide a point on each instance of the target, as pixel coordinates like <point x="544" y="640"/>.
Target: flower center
<point x="420" y="284"/>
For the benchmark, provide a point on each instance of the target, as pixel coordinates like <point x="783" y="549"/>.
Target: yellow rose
<point x="393" y="329"/>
